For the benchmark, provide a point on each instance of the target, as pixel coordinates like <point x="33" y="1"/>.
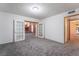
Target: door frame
<point x="65" y="28"/>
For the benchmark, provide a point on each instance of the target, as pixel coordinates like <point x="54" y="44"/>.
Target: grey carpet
<point x="38" y="47"/>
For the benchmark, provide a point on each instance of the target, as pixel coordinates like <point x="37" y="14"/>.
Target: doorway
<point x="74" y="34"/>
<point x="71" y="24"/>
<point x="31" y="29"/>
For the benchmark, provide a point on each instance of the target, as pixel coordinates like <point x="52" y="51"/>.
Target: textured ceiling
<point x="47" y="9"/>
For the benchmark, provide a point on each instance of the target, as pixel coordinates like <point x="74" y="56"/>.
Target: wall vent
<point x="70" y="12"/>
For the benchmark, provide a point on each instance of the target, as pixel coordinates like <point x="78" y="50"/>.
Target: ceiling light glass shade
<point x="35" y="9"/>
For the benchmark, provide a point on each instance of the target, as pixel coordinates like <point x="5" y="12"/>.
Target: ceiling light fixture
<point x="35" y="8"/>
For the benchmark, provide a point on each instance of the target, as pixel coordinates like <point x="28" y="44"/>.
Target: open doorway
<point x="31" y="29"/>
<point x="74" y="30"/>
<point x="71" y="29"/>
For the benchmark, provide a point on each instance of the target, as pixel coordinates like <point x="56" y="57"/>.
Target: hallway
<point x="38" y="47"/>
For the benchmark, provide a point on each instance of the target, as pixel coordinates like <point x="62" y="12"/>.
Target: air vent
<point x="70" y="12"/>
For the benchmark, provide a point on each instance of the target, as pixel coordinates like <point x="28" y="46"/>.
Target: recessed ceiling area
<point x="37" y="10"/>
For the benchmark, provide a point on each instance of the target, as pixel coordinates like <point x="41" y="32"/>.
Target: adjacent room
<point x="39" y="29"/>
<point x="30" y="29"/>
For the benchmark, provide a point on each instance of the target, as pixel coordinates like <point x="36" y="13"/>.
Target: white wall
<point x="6" y="25"/>
<point x="54" y="26"/>
<point x="6" y="28"/>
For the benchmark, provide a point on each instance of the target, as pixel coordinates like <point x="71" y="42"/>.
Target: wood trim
<point x="69" y="30"/>
<point x="64" y="30"/>
<point x="69" y="24"/>
<point x="74" y="19"/>
<point x="71" y="15"/>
